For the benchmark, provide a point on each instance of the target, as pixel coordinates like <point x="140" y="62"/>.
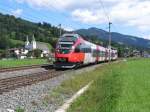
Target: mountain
<point x="116" y="37"/>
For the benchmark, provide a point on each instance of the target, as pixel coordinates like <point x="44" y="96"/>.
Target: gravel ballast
<point x="30" y="97"/>
<point x="21" y="72"/>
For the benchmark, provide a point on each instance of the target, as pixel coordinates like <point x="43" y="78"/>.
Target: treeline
<point x="13" y="32"/>
<point x="123" y="50"/>
<point x="18" y="29"/>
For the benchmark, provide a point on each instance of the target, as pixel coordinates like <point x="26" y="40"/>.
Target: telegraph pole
<point x="59" y="29"/>
<point x="109" y="46"/>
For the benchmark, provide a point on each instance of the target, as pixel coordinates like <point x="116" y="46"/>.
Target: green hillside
<point x="13" y="29"/>
<point x="16" y="42"/>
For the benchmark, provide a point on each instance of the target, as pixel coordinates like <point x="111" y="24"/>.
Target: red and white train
<point x="73" y="51"/>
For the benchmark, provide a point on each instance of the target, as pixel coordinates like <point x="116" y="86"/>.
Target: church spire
<point x="33" y="39"/>
<point x="33" y="43"/>
<point x="27" y="39"/>
<point x="27" y="43"/>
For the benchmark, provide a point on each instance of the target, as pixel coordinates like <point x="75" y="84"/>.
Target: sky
<point x="131" y="17"/>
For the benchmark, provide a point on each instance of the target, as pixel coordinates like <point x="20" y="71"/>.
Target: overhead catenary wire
<point x="104" y="10"/>
<point x="108" y="17"/>
<point x="29" y="17"/>
<point x="64" y="22"/>
<point x="65" y="16"/>
<point x="109" y="23"/>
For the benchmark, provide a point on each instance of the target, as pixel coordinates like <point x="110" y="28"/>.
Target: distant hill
<point x="14" y="30"/>
<point x="116" y="37"/>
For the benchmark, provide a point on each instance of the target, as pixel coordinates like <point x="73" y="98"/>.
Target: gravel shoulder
<point x="30" y="97"/>
<point x="21" y="72"/>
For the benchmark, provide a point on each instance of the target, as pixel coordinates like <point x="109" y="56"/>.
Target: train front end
<point x="65" y="55"/>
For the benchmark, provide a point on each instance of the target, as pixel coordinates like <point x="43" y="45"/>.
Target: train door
<point x="88" y="56"/>
<point x="97" y="54"/>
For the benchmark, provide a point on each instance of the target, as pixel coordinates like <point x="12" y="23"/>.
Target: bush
<point x="35" y="53"/>
<point x="19" y="109"/>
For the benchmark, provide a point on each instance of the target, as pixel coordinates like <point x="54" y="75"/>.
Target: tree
<point x="4" y="42"/>
<point x="35" y="53"/>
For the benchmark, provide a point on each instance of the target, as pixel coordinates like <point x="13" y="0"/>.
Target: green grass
<point x="69" y="87"/>
<point x="123" y="87"/>
<point x="17" y="63"/>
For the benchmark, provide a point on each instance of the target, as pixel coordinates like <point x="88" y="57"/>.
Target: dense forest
<point x="14" y="29"/>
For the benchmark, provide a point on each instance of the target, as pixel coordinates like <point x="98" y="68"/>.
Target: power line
<point x="33" y="18"/>
<point x="104" y="10"/>
<point x="107" y="15"/>
<point x="66" y="19"/>
<point x="109" y="23"/>
<point x="109" y="41"/>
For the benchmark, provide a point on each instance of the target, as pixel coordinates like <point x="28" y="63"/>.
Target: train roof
<point x="87" y="42"/>
<point x="71" y="35"/>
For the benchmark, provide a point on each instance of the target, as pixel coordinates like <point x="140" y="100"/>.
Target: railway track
<point x="12" y="83"/>
<point x="22" y="68"/>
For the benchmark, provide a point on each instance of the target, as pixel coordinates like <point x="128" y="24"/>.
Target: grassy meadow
<point x="122" y="87"/>
<point x="23" y="62"/>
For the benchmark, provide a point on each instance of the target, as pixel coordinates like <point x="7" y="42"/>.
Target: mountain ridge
<point x="116" y="37"/>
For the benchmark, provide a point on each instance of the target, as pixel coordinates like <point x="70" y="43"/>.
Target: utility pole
<point x="59" y="29"/>
<point x="109" y="46"/>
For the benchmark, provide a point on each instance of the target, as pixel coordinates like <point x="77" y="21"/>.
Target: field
<point x="122" y="87"/>
<point x="16" y="63"/>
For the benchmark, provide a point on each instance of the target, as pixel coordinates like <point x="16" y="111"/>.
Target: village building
<point x="30" y="46"/>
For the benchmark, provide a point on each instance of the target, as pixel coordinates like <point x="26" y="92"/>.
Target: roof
<point x="42" y="46"/>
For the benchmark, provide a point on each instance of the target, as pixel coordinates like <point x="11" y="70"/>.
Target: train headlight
<point x="57" y="50"/>
<point x="62" y="59"/>
<point x="73" y="47"/>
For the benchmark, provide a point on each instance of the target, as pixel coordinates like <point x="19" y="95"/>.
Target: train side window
<point x="106" y="54"/>
<point x="78" y="49"/>
<point x="94" y="53"/>
<point x="100" y="54"/>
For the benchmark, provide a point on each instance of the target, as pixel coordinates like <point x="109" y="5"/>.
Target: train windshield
<point x="64" y="51"/>
<point x="68" y="39"/>
<point x="65" y="47"/>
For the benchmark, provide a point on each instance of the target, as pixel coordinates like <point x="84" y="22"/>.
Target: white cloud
<point x="17" y="12"/>
<point x="134" y="13"/>
<point x="146" y="37"/>
<point x="48" y="4"/>
<point x="87" y="16"/>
